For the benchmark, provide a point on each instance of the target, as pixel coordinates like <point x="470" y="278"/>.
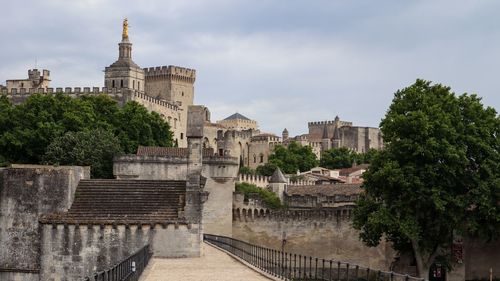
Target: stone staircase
<point x="131" y="201"/>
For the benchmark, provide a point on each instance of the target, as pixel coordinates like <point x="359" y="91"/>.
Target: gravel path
<point x="214" y="265"/>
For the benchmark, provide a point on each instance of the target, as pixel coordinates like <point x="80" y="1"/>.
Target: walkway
<point x="215" y="265"/>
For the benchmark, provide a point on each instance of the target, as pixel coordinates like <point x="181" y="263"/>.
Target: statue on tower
<point x="125" y="29"/>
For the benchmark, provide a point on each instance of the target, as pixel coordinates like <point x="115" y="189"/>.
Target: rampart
<point x="120" y="95"/>
<point x="174" y="72"/>
<point x="263" y="181"/>
<point x="26" y="193"/>
<point x="324" y="234"/>
<point x="220" y="173"/>
<point x="70" y="251"/>
<point x="329" y="122"/>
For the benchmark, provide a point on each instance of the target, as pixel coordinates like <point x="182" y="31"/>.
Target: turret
<point x="284" y="134"/>
<point x="325" y="140"/>
<point x="277" y="183"/>
<point x="124" y="73"/>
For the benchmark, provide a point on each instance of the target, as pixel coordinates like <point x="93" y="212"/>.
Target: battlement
<point x="257" y="214"/>
<point x="329" y="122"/>
<point x="175" y="72"/>
<point x="263" y="181"/>
<point x="115" y="93"/>
<point x="163" y="103"/>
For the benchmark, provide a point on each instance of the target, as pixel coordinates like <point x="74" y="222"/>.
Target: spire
<point x="125" y="47"/>
<point x="325" y="132"/>
<point x="277" y="177"/>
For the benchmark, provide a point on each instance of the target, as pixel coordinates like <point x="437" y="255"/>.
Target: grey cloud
<point x="283" y="63"/>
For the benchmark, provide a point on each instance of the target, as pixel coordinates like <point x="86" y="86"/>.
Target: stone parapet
<point x="174" y="72"/>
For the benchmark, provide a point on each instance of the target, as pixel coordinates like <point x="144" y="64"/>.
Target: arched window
<point x="261" y="158"/>
<point x="254" y="158"/>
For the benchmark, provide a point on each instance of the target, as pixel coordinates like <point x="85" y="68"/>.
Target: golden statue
<point x="125" y="29"/>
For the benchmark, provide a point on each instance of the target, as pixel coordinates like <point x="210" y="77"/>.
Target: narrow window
<point x="261" y="158"/>
<point x="254" y="158"/>
<point x="138" y="85"/>
<point x="113" y="83"/>
<point x="133" y="84"/>
<point x="121" y="83"/>
<point x="182" y="136"/>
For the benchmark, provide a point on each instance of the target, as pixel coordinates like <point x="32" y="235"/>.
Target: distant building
<point x="238" y="122"/>
<point x="35" y="80"/>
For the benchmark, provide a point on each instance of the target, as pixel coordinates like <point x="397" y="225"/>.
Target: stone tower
<point x="325" y="140"/>
<point x="175" y="85"/>
<point x="277" y="183"/>
<point x="124" y="73"/>
<point x="284" y="134"/>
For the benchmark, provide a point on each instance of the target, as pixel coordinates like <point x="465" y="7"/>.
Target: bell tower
<point x="124" y="73"/>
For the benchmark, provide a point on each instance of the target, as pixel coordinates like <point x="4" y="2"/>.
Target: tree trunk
<point x="423" y="261"/>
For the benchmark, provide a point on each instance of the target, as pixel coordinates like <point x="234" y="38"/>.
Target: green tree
<point x="438" y="175"/>
<point x="266" y="169"/>
<point x="338" y="158"/>
<point x="293" y="158"/>
<point x="26" y="130"/>
<point x="271" y="200"/>
<point x="94" y="148"/>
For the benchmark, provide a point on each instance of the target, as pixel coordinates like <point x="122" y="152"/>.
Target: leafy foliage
<point x="338" y="158"/>
<point x="28" y="129"/>
<point x="246" y="170"/>
<point x="293" y="158"/>
<point x="94" y="148"/>
<point x="268" y="197"/>
<point x="439" y="174"/>
<point x="266" y="169"/>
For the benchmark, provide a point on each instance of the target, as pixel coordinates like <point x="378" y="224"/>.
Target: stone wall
<point x="26" y="193"/>
<point x="479" y="257"/>
<point x="70" y="252"/>
<point x="220" y="172"/>
<point x="324" y="235"/>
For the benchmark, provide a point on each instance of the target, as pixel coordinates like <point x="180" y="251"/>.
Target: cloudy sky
<point x="282" y="62"/>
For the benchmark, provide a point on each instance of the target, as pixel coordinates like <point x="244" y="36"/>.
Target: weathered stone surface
<point x="26" y="193"/>
<point x="323" y="237"/>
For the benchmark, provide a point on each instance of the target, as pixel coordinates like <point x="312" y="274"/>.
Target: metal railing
<point x="130" y="269"/>
<point x="289" y="266"/>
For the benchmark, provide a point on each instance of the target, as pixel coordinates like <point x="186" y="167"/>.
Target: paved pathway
<point x="215" y="265"/>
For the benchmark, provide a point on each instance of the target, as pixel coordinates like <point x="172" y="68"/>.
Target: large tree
<point x="338" y="158"/>
<point x="26" y="130"/>
<point x="437" y="177"/>
<point x="95" y="148"/>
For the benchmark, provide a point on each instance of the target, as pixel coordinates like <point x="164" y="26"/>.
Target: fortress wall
<point x="70" y="252"/>
<point x="220" y="173"/>
<point x="258" y="180"/>
<point x="326" y="235"/>
<point x="479" y="257"/>
<point x="26" y="193"/>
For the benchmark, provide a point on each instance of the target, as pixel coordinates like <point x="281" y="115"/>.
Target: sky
<point x="282" y="62"/>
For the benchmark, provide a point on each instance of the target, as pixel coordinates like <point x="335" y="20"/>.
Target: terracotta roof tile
<point x="347" y="171"/>
<point x="324" y="189"/>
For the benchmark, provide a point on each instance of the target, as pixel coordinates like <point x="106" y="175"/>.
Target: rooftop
<point x="125" y="201"/>
<point x="236" y="116"/>
<point x="324" y="189"/>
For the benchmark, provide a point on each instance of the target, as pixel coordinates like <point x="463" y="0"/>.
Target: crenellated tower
<point x="124" y="73"/>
